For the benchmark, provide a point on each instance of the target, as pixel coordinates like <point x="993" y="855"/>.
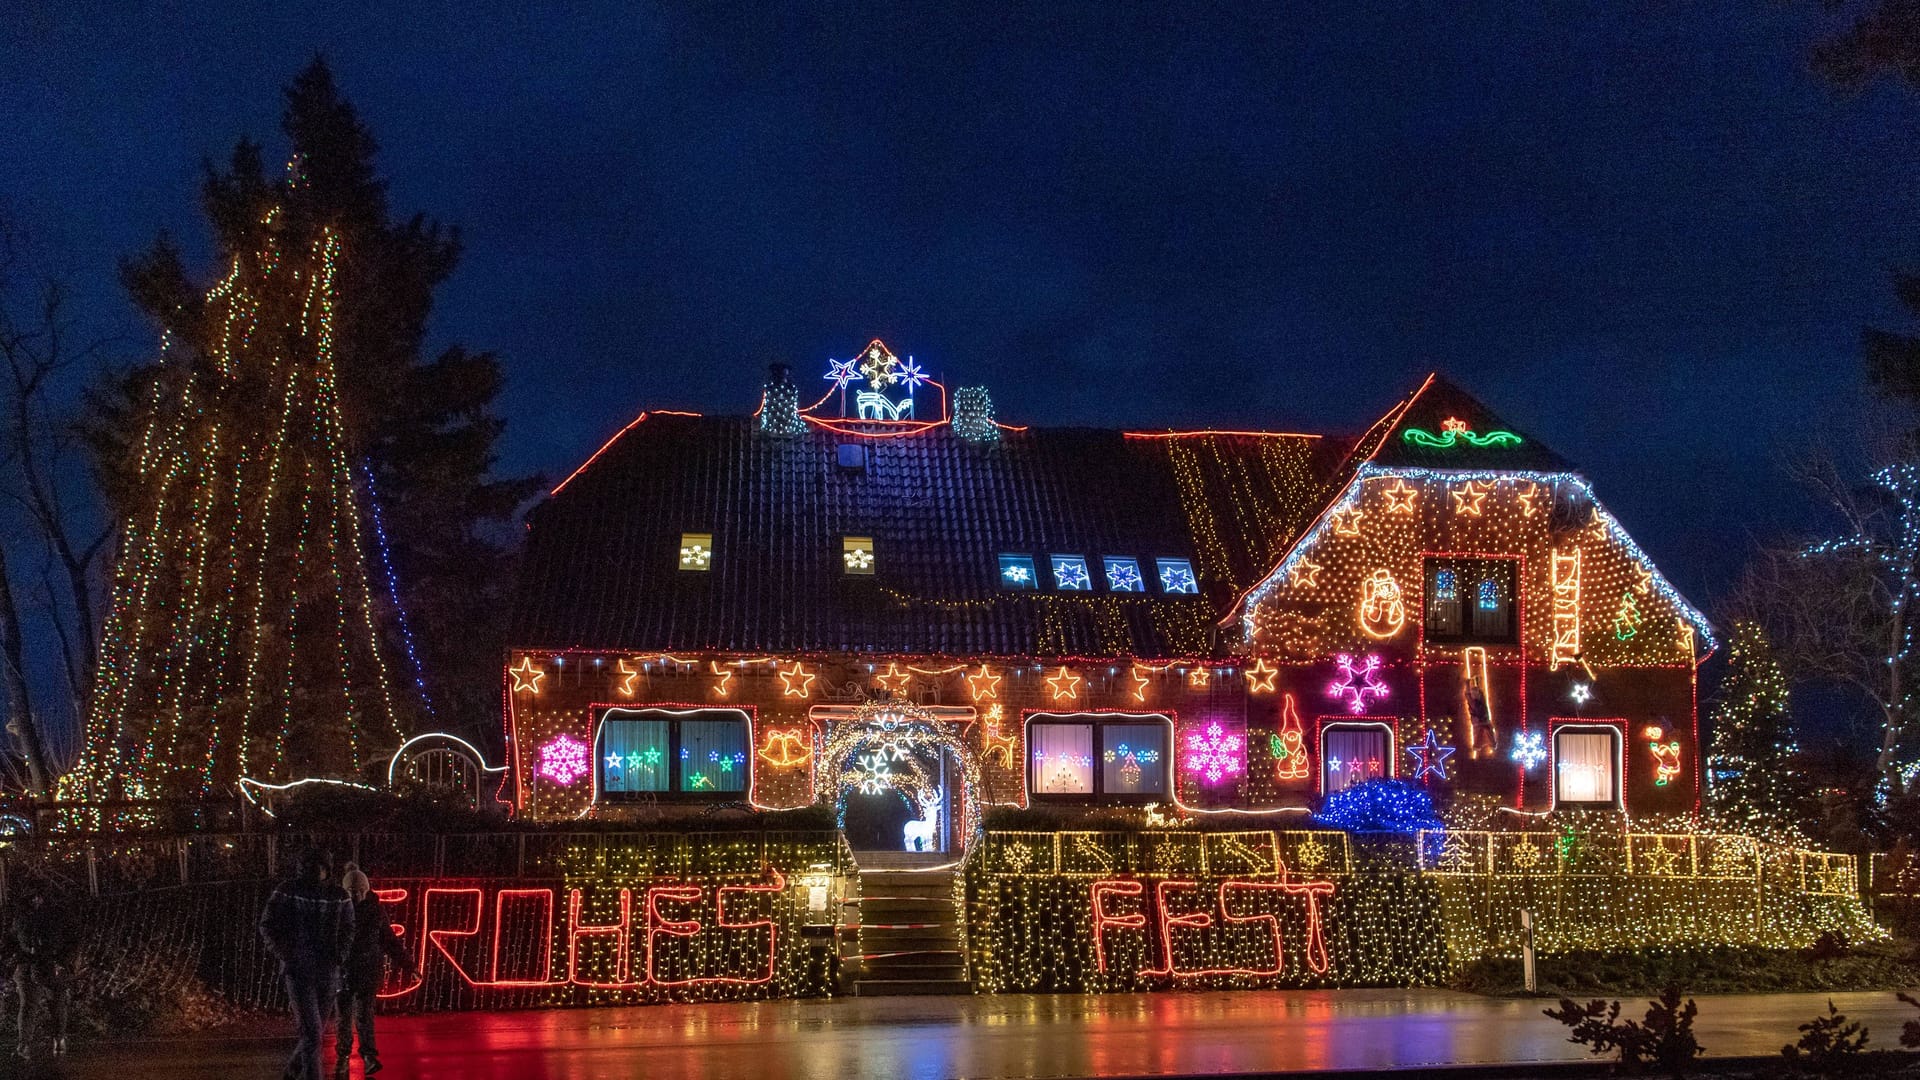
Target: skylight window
<point x="696" y="551"/>
<point x="1070" y="573"/>
<point x="1123" y="574"/>
<point x="1176" y="576"/>
<point x="1018" y="572"/>
<point x="857" y="553"/>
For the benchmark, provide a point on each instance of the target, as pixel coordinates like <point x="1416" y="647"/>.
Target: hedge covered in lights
<point x="1138" y="910"/>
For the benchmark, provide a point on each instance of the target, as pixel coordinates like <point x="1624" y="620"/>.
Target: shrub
<point x="1829" y="1044"/>
<point x="1663" y="1040"/>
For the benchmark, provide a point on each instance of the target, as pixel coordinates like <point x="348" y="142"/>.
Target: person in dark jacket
<point x="374" y="942"/>
<point x="308" y="926"/>
<point x="46" y="944"/>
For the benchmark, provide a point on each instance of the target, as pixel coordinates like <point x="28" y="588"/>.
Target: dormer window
<point x="1176" y="576"/>
<point x="696" y="551"/>
<point x="856" y="553"/>
<point x="1070" y="573"/>
<point x="1123" y="574"/>
<point x="1018" y="572"/>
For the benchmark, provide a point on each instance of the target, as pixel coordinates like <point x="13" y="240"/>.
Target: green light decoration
<point x="1455" y="432"/>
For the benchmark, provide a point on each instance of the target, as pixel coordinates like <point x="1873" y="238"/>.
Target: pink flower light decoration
<point x="1214" y="754"/>
<point x="1358" y="683"/>
<point x="563" y="759"/>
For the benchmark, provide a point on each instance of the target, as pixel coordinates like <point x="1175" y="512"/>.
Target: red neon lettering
<point x="1102" y="918"/>
<point x="1316" y="943"/>
<point x="436" y="936"/>
<point x="545" y="937"/>
<point x="1198" y="920"/>
<point x="395" y="896"/>
<point x="621" y="932"/>
<point x="658" y="924"/>
<point x="776" y="886"/>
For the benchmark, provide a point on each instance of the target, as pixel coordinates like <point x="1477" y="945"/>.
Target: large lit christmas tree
<point x="244" y="638"/>
<point x="1749" y="776"/>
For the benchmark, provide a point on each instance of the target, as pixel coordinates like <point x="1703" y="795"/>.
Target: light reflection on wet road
<point x="936" y="1038"/>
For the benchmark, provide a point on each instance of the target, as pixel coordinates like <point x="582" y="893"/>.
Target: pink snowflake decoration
<point x="563" y="759"/>
<point x="1213" y="754"/>
<point x="1358" y="683"/>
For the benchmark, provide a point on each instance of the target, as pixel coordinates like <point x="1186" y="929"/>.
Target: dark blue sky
<point x="1645" y="232"/>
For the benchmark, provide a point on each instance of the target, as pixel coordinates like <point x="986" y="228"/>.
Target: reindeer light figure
<point x="919" y="834"/>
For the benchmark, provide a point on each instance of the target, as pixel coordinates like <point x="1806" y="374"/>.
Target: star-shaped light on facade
<point x="1346" y="521"/>
<point x="1065" y="685"/>
<point x="1469" y="499"/>
<point x="984" y="685"/>
<point x="1199" y="677"/>
<point x="724" y="676"/>
<point x="799" y="681"/>
<point x="1260" y="677"/>
<point x="1581" y="693"/>
<point x="1071" y="574"/>
<point x="628" y="676"/>
<point x="1430" y="757"/>
<point x="858" y="559"/>
<point x="1305" y="574"/>
<point x="526" y="677"/>
<point x="1528" y="500"/>
<point x="1140" y="682"/>
<point x="894" y="680"/>
<point x="1401" y="497"/>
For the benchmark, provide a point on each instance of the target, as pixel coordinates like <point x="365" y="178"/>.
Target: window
<point x="1470" y="601"/>
<point x="1352" y="754"/>
<point x="696" y="551"/>
<point x="857" y="553"/>
<point x="1123" y="574"/>
<point x="1176" y="576"/>
<point x="1070" y="573"/>
<point x="671" y="752"/>
<point x="1586" y="764"/>
<point x="1018" y="572"/>
<point x="1091" y="756"/>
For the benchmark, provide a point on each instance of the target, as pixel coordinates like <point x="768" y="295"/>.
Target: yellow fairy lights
<point x="1566" y="607"/>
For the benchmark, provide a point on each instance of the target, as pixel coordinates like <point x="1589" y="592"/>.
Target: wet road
<point x="935" y="1038"/>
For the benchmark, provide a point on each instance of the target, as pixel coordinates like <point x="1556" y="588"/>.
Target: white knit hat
<point x="353" y="880"/>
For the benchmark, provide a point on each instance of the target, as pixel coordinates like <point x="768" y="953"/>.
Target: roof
<point x="1441" y="426"/>
<point x="601" y="565"/>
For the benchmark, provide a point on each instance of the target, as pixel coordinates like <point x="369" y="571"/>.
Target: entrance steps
<point x="911" y="940"/>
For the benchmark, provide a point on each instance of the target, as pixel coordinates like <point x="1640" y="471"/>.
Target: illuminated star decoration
<point x="1016" y="573"/>
<point x="983" y="685"/>
<point x="1071" y="575"/>
<point x="1305" y="574"/>
<point x="1260" y="677"/>
<point x="1065" y="685"/>
<point x="720" y="688"/>
<point x="895" y="680"/>
<point x="1358" y="683"/>
<point x="563" y="759"/>
<point x="1198" y="678"/>
<point x="1526" y="499"/>
<point x="804" y="685"/>
<point x="1177" y="579"/>
<point x="1470" y="499"/>
<point x="842" y="372"/>
<point x="628" y="677"/>
<point x="696" y="556"/>
<point x="526" y="677"/>
<point x="1123" y="577"/>
<point x="910" y="374"/>
<point x="1529" y="750"/>
<point x="1581" y="693"/>
<point x="1140" y="681"/>
<point x="1214" y="754"/>
<point x="859" y="559"/>
<point x="1430" y="757"/>
<point x="1400" y="497"/>
<point x="1346" y="521"/>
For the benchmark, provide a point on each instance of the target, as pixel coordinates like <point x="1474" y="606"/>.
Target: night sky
<point x="1647" y="233"/>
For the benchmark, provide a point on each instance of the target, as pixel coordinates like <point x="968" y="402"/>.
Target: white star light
<point x="842" y="372"/>
<point x="1581" y="693"/>
<point x="910" y="374"/>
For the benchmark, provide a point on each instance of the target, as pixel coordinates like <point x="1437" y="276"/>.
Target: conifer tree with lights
<point x="245" y="635"/>
<point x="420" y="426"/>
<point x="1749" y="775"/>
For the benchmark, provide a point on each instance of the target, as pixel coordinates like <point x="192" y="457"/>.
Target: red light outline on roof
<point x="644" y="413"/>
<point x="1203" y="432"/>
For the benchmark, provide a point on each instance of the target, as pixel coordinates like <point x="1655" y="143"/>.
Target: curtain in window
<point x="1583" y="763"/>
<point x="1355" y="755"/>
<point x="713" y="755"/>
<point x="1133" y="759"/>
<point x="1062" y="758"/>
<point x="633" y="756"/>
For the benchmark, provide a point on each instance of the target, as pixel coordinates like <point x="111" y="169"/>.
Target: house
<point x="890" y="603"/>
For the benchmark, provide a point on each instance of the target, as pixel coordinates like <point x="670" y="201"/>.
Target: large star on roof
<point x="1430" y="757"/>
<point x="842" y="372"/>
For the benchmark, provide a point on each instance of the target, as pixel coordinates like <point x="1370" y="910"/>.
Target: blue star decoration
<point x="842" y="372"/>
<point x="1430" y="757"/>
